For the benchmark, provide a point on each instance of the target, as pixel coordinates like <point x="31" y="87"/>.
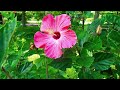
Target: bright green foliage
<point x="71" y="73"/>
<point x="95" y="56"/>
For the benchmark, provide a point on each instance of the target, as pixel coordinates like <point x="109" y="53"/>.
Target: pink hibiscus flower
<point x="55" y="35"/>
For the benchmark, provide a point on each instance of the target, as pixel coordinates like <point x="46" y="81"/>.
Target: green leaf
<point x="114" y="40"/>
<point x="103" y="61"/>
<point x="42" y="72"/>
<point x="98" y="75"/>
<point x="85" y="73"/>
<point x="5" y="14"/>
<point x="27" y="69"/>
<point x="12" y="15"/>
<point x="95" y="44"/>
<point x="111" y="18"/>
<point x="1" y="26"/>
<point x="86" y="53"/>
<point x="40" y="62"/>
<point x="14" y="63"/>
<point x="53" y="73"/>
<point x="61" y="63"/>
<point x="93" y="26"/>
<point x="88" y="14"/>
<point x="103" y="65"/>
<point x="83" y="37"/>
<point x="13" y="60"/>
<point x="5" y="37"/>
<point x="85" y="61"/>
<point x="71" y="73"/>
<point x="115" y="36"/>
<point x="103" y="37"/>
<point x="70" y="53"/>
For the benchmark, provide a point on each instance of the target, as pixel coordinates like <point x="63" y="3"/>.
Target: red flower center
<point x="56" y="35"/>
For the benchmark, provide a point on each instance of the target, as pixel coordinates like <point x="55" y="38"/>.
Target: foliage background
<point x="95" y="56"/>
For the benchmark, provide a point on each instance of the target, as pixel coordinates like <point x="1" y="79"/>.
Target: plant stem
<point x="83" y="20"/>
<point x="96" y="14"/>
<point x="117" y="13"/>
<point x="7" y="73"/>
<point x="23" y="19"/>
<point x="46" y="69"/>
<point x="77" y="50"/>
<point x="83" y="69"/>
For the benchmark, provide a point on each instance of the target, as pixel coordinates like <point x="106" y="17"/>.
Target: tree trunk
<point x="23" y="19"/>
<point x="96" y="14"/>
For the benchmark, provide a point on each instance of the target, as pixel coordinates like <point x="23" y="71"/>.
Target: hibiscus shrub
<point x="65" y="46"/>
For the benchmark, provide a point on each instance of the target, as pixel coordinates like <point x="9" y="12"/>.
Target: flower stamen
<point x="56" y="35"/>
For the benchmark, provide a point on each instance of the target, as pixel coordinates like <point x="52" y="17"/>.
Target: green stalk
<point x="46" y="68"/>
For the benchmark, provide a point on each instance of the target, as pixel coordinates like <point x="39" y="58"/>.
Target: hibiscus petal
<point x="62" y="22"/>
<point x="68" y="39"/>
<point x="40" y="39"/>
<point x="53" y="50"/>
<point x="48" y="22"/>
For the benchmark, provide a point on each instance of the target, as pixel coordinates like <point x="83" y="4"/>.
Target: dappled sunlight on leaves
<point x="96" y="54"/>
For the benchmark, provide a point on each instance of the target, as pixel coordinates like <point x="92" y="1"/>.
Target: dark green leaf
<point x="98" y="75"/>
<point x="61" y="63"/>
<point x="5" y="37"/>
<point x="83" y="37"/>
<point x="93" y="26"/>
<point x="85" y="61"/>
<point x="115" y="36"/>
<point x="103" y="65"/>
<point x="25" y="68"/>
<point x="95" y="44"/>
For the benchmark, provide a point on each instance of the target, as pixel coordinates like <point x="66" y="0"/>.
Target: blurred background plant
<point x="95" y="56"/>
